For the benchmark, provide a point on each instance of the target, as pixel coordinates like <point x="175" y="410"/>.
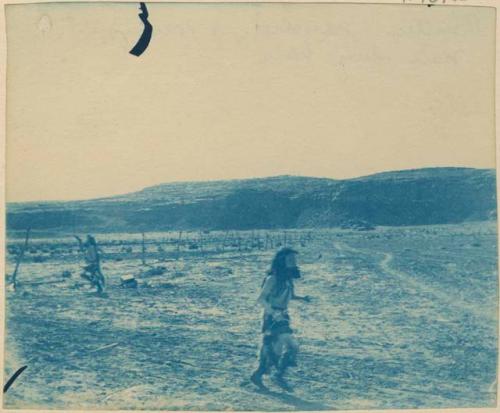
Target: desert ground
<point x="400" y="317"/>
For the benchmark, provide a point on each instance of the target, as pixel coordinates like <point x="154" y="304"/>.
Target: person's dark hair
<point x="91" y="240"/>
<point x="278" y="268"/>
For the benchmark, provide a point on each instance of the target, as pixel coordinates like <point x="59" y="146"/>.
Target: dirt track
<point x="400" y="318"/>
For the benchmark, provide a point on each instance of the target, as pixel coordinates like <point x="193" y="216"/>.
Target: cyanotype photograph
<point x="250" y="207"/>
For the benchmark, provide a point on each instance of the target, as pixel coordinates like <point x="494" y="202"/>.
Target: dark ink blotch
<point x="145" y="38"/>
<point x="13" y="378"/>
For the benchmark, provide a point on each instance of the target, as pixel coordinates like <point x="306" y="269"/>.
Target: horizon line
<point x="244" y="179"/>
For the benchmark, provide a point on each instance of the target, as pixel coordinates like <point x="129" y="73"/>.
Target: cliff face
<point x="411" y="197"/>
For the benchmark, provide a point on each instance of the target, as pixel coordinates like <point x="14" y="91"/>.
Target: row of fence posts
<point x="230" y="240"/>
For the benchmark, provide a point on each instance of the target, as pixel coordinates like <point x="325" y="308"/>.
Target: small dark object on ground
<point x="66" y="274"/>
<point x="128" y="281"/>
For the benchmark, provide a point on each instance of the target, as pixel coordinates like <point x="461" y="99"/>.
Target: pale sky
<point x="242" y="90"/>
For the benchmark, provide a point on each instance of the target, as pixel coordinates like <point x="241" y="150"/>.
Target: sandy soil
<point x="400" y="318"/>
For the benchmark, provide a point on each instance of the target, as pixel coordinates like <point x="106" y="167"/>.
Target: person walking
<point x="279" y="348"/>
<point x="92" y="269"/>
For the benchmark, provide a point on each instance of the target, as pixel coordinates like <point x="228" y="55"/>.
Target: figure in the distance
<point x="92" y="269"/>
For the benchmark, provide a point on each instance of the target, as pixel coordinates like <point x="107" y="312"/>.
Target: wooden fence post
<point x="143" y="250"/>
<point x="20" y="258"/>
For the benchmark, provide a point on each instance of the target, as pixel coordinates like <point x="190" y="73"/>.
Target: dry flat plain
<point x="401" y="317"/>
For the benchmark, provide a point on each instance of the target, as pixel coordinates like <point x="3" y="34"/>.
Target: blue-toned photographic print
<point x="400" y="308"/>
<point x="250" y="207"/>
